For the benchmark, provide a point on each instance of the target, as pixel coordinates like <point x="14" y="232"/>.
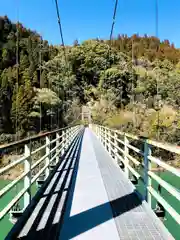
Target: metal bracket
<point x="15" y="215"/>
<point x="159" y="211"/>
<point x="134" y="180"/>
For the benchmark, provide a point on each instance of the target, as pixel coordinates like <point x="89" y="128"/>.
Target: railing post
<point x="66" y="136"/>
<point x="105" y="138"/>
<point x="69" y="135"/>
<point x="27" y="178"/>
<point x="97" y="132"/>
<point x="57" y="145"/>
<point x="109" y="141"/>
<point x="72" y="133"/>
<point x="115" y="148"/>
<point x="147" y="167"/>
<point x="47" y="162"/>
<point x="126" y="153"/>
<point x="100" y="134"/>
<point x="63" y="142"/>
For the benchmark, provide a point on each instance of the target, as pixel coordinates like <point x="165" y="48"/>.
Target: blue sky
<point x="84" y="19"/>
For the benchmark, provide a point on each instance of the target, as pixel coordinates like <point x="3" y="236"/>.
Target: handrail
<point x="165" y="204"/>
<point x="166" y="146"/>
<point x="30" y="139"/>
<point x="166" y="185"/>
<point x="62" y="142"/>
<point x="12" y="165"/>
<point x="17" y="162"/>
<point x="165" y="166"/>
<point x="110" y="138"/>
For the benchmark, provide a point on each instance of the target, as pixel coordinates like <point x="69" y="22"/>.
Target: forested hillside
<point x="117" y="80"/>
<point x="149" y="47"/>
<point x="19" y="95"/>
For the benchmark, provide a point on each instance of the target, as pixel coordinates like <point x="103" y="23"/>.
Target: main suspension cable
<point x="132" y="87"/>
<point x="60" y="29"/>
<point x="157" y="79"/>
<point x="158" y="206"/>
<point x="17" y="78"/>
<point x="64" y="49"/>
<point x="40" y="66"/>
<point x="113" y="20"/>
<point x="157" y="18"/>
<point x="17" y="132"/>
<point x="112" y="29"/>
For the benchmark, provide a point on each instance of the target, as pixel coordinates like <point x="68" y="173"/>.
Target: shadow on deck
<point x="93" y="217"/>
<point x="45" y="221"/>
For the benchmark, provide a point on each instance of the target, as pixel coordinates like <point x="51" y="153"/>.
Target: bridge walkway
<point x="88" y="197"/>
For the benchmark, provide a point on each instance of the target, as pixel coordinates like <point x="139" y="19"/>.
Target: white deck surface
<point x="90" y="215"/>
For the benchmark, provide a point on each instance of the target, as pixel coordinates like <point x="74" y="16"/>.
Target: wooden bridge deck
<point x="88" y="197"/>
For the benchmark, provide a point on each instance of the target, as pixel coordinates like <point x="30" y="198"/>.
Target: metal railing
<point x="120" y="147"/>
<point x="54" y="145"/>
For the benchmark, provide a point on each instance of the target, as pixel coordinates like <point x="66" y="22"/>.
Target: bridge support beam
<point x="27" y="178"/>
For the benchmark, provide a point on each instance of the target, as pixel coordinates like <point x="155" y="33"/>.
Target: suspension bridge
<point x="86" y="179"/>
<point x="89" y="182"/>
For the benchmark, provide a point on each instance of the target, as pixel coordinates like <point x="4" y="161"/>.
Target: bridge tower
<point x="86" y="114"/>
